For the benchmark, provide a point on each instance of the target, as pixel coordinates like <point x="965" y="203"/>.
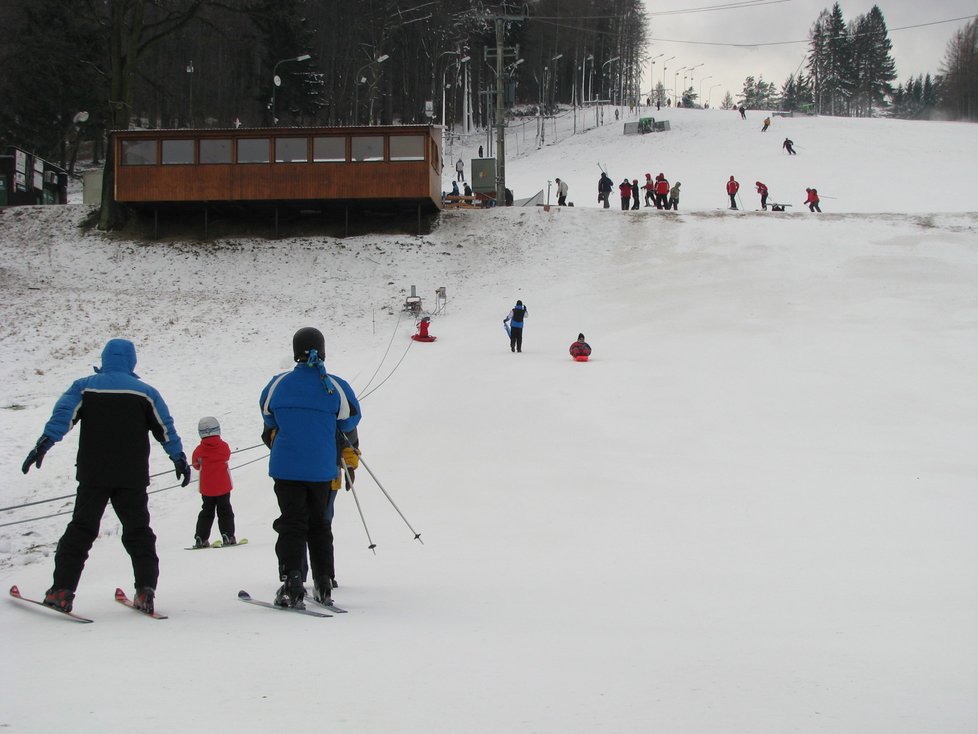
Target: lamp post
<point x="553" y="79"/>
<point x="652" y="75"/>
<point x="608" y="62"/>
<point x="709" y="94"/>
<point x="664" y="67"/>
<point x="356" y="86"/>
<point x="190" y="76"/>
<point x="701" y="87"/>
<point x="589" y="57"/>
<point x="675" y="85"/>
<point x="277" y="81"/>
<point x="458" y="64"/>
<point x="691" y="70"/>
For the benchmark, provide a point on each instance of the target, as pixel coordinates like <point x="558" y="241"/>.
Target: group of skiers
<point x="658" y="192"/>
<point x="310" y="419"/>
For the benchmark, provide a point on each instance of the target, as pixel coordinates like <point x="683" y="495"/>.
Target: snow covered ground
<point x="752" y="512"/>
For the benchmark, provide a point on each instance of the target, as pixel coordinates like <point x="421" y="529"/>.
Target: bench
<point x="462" y="202"/>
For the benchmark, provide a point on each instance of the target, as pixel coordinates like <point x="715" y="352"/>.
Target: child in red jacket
<point x="210" y="459"/>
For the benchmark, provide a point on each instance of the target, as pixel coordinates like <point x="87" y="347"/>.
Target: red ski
<point x="15" y="593"/>
<point x="120" y="596"/>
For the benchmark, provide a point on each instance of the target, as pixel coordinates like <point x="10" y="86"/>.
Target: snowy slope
<point x="752" y="511"/>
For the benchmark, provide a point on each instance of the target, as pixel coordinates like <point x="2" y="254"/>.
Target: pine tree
<point x="959" y="74"/>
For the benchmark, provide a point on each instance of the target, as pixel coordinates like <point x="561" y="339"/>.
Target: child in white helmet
<point x="210" y="459"/>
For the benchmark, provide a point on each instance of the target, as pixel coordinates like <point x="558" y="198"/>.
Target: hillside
<point x="751" y="512"/>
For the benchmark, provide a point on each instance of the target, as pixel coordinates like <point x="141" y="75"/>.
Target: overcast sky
<point x="698" y="38"/>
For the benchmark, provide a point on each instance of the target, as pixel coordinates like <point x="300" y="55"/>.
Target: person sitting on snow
<point x="580" y="348"/>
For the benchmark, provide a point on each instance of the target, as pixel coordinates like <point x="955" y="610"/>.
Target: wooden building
<point x="394" y="167"/>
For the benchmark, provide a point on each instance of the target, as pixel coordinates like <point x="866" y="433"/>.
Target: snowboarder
<point x="762" y="190"/>
<point x="561" y="192"/>
<point x="514" y="325"/>
<point x="732" y="188"/>
<point x="116" y="410"/>
<point x="649" y="187"/>
<point x="674" y="197"/>
<point x="460" y="170"/>
<point x="625" y="192"/>
<point x="302" y="411"/>
<point x="604" y="188"/>
<point x="661" y="192"/>
<point x="210" y="460"/>
<point x="635" y="200"/>
<point x="767" y="124"/>
<point x="580" y="350"/>
<point x="788" y="145"/>
<point x="812" y="200"/>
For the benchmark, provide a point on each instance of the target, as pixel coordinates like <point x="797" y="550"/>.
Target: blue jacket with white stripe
<point x="305" y="408"/>
<point x="117" y="412"/>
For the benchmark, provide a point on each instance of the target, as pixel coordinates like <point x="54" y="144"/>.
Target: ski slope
<point x="752" y="511"/>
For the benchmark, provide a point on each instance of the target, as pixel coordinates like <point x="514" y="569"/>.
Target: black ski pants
<point x="516" y="339"/>
<point x="302" y="521"/>
<point x="733" y="201"/>
<point x="225" y="515"/>
<point x="131" y="506"/>
<point x="661" y="201"/>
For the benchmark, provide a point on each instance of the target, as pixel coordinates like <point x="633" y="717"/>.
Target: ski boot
<point x="200" y="542"/>
<point x="228" y="539"/>
<point x="144" y="599"/>
<point x="323" y="590"/>
<point x="292" y="592"/>
<point x="60" y="599"/>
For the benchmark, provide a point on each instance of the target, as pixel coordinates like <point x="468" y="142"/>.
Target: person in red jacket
<point x="812" y="200"/>
<point x="649" y="187"/>
<point x="580" y="350"/>
<point x="210" y="459"/>
<point x="661" y="192"/>
<point x="732" y="188"/>
<point x="625" y="191"/>
<point x="762" y="190"/>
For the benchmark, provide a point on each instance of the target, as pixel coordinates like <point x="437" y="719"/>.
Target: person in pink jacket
<point x="210" y="459"/>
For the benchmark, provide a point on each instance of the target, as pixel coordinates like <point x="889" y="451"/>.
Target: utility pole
<point x="500" y="114"/>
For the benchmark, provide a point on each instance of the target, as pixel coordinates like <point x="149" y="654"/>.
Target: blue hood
<point x="119" y="355"/>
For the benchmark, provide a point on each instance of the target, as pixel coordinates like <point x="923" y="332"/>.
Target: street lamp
<point x="276" y="80"/>
<point x="190" y="76"/>
<point x="709" y="94"/>
<point x="608" y="62"/>
<point x="589" y="57"/>
<point x="652" y="75"/>
<point x="691" y="69"/>
<point x="675" y="85"/>
<point x="553" y="79"/>
<point x="664" y="67"/>
<point x="356" y="86"/>
<point x="701" y="87"/>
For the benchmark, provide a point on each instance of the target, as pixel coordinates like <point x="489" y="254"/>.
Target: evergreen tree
<point x="873" y="65"/>
<point x="959" y="74"/>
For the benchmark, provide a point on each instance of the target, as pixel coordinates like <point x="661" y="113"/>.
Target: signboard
<point x="483" y="175"/>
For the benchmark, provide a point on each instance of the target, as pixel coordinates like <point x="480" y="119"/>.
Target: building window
<point x="178" y="151"/>
<point x="291" y="150"/>
<point x="215" y="150"/>
<point x="139" y="152"/>
<point x="407" y="148"/>
<point x="367" y="148"/>
<point x="329" y="150"/>
<point x="253" y="150"/>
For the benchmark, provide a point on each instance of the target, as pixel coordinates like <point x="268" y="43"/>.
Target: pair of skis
<point x="247" y="598"/>
<point x="120" y="596"/>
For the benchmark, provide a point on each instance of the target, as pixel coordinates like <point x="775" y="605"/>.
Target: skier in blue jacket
<point x="302" y="411"/>
<point x="514" y="325"/>
<point x="117" y="411"/>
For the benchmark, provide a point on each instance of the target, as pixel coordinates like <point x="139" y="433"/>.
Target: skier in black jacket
<point x="117" y="411"/>
<point x="604" y="189"/>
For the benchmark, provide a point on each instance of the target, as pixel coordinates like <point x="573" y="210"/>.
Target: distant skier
<point x="743" y="112"/>
<point x="732" y="188"/>
<point x="674" y="197"/>
<point x="580" y="350"/>
<point x="649" y="187"/>
<point x="480" y="151"/>
<point x="514" y="325"/>
<point x="460" y="170"/>
<point x="561" y="192"/>
<point x="604" y="189"/>
<point x="635" y="199"/>
<point x="767" y="124"/>
<point x="762" y="190"/>
<point x="661" y="191"/>
<point x="625" y="192"/>
<point x="812" y="200"/>
<point x="788" y="145"/>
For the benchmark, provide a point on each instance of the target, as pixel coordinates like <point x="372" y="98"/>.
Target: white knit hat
<point x="208" y="426"/>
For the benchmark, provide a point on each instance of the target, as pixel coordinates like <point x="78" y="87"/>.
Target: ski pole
<point x="356" y="499"/>
<point x="417" y="535"/>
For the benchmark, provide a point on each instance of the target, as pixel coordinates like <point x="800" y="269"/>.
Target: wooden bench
<point x="463" y="202"/>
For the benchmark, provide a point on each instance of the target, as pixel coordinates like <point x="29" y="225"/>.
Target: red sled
<point x="581" y="358"/>
<point x="419" y="338"/>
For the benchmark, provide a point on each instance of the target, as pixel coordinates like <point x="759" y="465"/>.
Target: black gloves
<point x="267" y="436"/>
<point x="182" y="469"/>
<point x="36" y="456"/>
